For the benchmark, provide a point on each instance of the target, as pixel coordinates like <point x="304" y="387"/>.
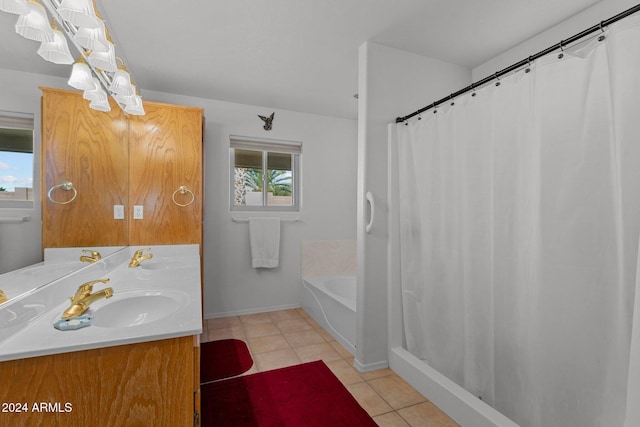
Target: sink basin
<point x="134" y="308"/>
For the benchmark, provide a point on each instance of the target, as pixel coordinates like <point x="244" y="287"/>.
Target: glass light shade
<point x="135" y="106"/>
<point x="97" y="94"/>
<point x="19" y="7"/>
<point x="56" y="51"/>
<point x="79" y="12"/>
<point x="121" y="83"/>
<point x="100" y="105"/>
<point x="104" y="60"/>
<point x="94" y="39"/>
<point x="34" y="25"/>
<point x="81" y="77"/>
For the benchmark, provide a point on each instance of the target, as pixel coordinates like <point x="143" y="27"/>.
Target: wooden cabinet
<point x="89" y="149"/>
<point x="130" y="385"/>
<point x="116" y="159"/>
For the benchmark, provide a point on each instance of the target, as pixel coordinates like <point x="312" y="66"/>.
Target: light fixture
<point x="56" y="51"/>
<point x="121" y="82"/>
<point x="80" y="13"/>
<point x="104" y="60"/>
<point x="19" y="7"/>
<point x="97" y="94"/>
<point x="96" y="71"/>
<point x="92" y="38"/>
<point x="34" y="25"/>
<point x="81" y="77"/>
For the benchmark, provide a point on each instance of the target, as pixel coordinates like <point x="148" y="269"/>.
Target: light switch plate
<point x="138" y="212"/>
<point x="118" y="211"/>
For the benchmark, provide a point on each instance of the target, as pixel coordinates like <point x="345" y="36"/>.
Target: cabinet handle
<point x="183" y="190"/>
<point x="66" y="186"/>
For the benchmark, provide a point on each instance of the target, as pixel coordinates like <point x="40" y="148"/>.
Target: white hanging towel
<point x="264" y="237"/>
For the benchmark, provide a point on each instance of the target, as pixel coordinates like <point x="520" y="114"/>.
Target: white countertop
<point x="26" y="325"/>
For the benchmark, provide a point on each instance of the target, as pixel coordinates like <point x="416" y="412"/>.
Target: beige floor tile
<point x="277" y="316"/>
<point x="369" y="399"/>
<point x="396" y="391"/>
<point x="322" y="351"/>
<point x="303" y="338"/>
<point x="343" y="352"/>
<point x="236" y="332"/>
<point x="313" y="323"/>
<point x="223" y="322"/>
<point x="252" y="319"/>
<point x="324" y="334"/>
<point x="391" y="419"/>
<point x="261" y="330"/>
<point x="292" y="325"/>
<point x="426" y="414"/>
<point x="268" y="343"/>
<point x="345" y="372"/>
<point x="376" y="374"/>
<point x="276" y="359"/>
<point x="302" y="312"/>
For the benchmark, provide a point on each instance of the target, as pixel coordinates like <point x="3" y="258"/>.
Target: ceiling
<point x="299" y="55"/>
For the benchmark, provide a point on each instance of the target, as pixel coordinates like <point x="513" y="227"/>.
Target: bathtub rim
<point x="314" y="280"/>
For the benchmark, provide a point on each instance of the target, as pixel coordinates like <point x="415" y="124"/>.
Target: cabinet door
<point x="165" y="154"/>
<point x="90" y="150"/>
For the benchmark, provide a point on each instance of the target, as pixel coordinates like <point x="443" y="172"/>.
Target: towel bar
<point x="281" y="220"/>
<point x="15" y="219"/>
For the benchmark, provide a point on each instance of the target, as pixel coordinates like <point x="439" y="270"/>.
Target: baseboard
<point x="367" y="367"/>
<point x="250" y="311"/>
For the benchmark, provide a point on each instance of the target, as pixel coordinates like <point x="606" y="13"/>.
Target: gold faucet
<point x="94" y="256"/>
<point x="3" y="297"/>
<point x="83" y="298"/>
<point x="138" y="257"/>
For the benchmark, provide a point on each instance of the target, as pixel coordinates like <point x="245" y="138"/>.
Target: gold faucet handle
<point x="94" y="254"/>
<point x="85" y="289"/>
<point x="139" y="252"/>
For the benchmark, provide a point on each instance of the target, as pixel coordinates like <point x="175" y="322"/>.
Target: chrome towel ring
<point x="66" y="186"/>
<point x="183" y="190"/>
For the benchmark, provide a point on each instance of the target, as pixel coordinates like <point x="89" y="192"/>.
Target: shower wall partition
<point x="517" y="231"/>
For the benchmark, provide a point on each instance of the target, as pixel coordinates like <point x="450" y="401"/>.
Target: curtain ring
<point x="528" y="69"/>
<point x="435" y="108"/>
<point x="473" y="89"/>
<point x="561" y="54"/>
<point x="451" y="99"/>
<point x="183" y="190"/>
<point x="498" y="79"/>
<point x="66" y="186"/>
<point x="602" y="36"/>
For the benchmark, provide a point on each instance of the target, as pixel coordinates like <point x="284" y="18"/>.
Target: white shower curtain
<point x="520" y="218"/>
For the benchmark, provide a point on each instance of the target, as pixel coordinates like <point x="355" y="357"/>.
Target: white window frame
<point x="14" y="120"/>
<point x="267" y="146"/>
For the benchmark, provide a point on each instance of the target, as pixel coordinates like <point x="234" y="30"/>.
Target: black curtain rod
<point x="526" y="61"/>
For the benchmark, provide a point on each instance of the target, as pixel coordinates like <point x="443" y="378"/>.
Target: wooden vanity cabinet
<point x="143" y="384"/>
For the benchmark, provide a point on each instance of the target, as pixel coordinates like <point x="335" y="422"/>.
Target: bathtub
<point x="331" y="301"/>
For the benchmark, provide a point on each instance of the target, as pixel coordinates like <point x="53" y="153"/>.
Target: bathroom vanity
<point x="138" y="360"/>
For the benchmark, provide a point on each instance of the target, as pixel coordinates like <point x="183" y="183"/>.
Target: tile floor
<point x="289" y="337"/>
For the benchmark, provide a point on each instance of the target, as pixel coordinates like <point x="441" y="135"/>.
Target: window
<point x="265" y="175"/>
<point x="16" y="159"/>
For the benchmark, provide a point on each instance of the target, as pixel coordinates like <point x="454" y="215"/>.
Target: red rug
<point x="306" y="395"/>
<point x="223" y="359"/>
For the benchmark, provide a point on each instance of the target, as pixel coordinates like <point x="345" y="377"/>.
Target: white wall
<point x="602" y="10"/>
<point x="392" y="83"/>
<point x="231" y="285"/>
<point x="328" y="203"/>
